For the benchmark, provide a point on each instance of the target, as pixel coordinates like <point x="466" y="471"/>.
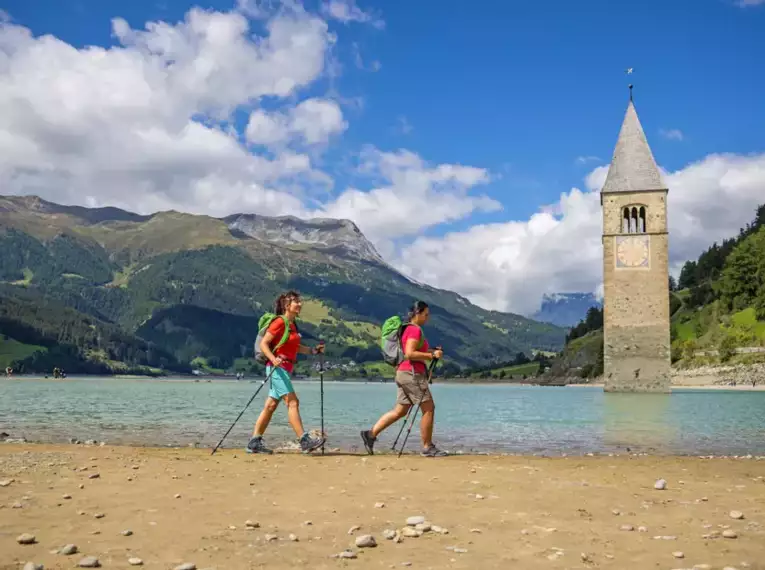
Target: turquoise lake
<point x="469" y="418"/>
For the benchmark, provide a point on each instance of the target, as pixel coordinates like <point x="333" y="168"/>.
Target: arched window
<point x="634" y="220"/>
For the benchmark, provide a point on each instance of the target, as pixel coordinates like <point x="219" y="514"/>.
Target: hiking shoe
<point x="369" y="441"/>
<point x="308" y="443"/>
<point x="256" y="445"/>
<point x="433" y="451"/>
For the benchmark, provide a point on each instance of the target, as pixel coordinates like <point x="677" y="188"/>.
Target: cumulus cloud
<point x="509" y="266"/>
<point x="313" y="121"/>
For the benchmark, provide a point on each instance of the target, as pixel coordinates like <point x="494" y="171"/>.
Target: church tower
<point x="636" y="333"/>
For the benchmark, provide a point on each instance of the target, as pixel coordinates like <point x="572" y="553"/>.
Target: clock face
<point x="632" y="251"/>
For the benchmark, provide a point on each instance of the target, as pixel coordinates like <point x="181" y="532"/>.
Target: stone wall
<point x="636" y="301"/>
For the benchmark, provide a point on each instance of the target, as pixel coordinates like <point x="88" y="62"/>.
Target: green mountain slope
<point x="194" y="286"/>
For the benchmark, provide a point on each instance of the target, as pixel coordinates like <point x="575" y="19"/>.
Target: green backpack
<point x="390" y="342"/>
<point x="263" y="324"/>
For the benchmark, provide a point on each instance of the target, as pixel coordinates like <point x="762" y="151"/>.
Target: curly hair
<point x="280" y="305"/>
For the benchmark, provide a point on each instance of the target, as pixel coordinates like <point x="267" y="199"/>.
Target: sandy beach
<point x="185" y="506"/>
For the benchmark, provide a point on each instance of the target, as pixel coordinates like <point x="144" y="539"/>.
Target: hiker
<point x="412" y="382"/>
<point x="281" y="361"/>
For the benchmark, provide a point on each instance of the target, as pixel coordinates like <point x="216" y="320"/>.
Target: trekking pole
<point x="321" y="382"/>
<point x="409" y="413"/>
<point x="242" y="412"/>
<point x="430" y="376"/>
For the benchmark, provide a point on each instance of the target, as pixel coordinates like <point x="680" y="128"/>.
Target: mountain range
<point x="106" y="290"/>
<point x="566" y="309"/>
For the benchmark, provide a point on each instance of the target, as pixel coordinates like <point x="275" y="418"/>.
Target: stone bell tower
<point x="636" y="333"/>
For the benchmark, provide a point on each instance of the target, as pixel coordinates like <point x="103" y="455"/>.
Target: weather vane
<point x="629" y="71"/>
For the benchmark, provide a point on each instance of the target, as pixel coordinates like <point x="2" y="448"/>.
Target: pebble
<point x="346" y="554"/>
<point x="135" y="561"/>
<point x="678" y="554"/>
<point x="187" y="566"/>
<point x="6" y="482"/>
<point x="353" y="529"/>
<point x="69" y="549"/>
<point x="379" y="505"/>
<point x="660" y="485"/>
<point x="736" y="515"/>
<point x="728" y="533"/>
<point x="26" y="538"/>
<point x="366" y="541"/>
<point x="89" y="562"/>
<point x="406" y="564"/>
<point x="94" y="476"/>
<point x="411" y="532"/>
<point x="99" y="515"/>
<point x="17" y="505"/>
<point x="66" y="497"/>
<point x="389" y="534"/>
<point x="251" y="524"/>
<point x="414" y="521"/>
<point x="460" y="550"/>
<point x="270" y="537"/>
<point x="81" y="486"/>
<point x="33" y="566"/>
<point x="424" y="527"/>
<point x="627" y="527"/>
<point x="293" y="537"/>
<point x="616" y="512"/>
<point x="127" y="532"/>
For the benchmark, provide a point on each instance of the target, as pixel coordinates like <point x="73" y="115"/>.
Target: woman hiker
<point x="412" y="381"/>
<point x="289" y="305"/>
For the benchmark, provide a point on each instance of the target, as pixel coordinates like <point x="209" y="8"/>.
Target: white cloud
<point x="139" y="125"/>
<point x="672" y="134"/>
<point x="313" y="121"/>
<point x="509" y="266"/>
<point x="411" y="196"/>
<point x="586" y="159"/>
<point x="346" y="11"/>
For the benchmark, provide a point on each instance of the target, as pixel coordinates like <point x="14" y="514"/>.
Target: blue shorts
<point x="281" y="383"/>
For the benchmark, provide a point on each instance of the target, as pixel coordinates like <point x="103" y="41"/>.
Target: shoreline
<point x="685" y="385"/>
<point x="242" y="511"/>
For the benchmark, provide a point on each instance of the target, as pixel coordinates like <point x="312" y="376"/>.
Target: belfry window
<point x="633" y="220"/>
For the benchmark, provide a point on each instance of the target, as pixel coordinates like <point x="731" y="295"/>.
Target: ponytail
<point x="416" y="309"/>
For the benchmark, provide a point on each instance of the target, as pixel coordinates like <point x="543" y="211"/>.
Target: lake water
<point x="469" y="418"/>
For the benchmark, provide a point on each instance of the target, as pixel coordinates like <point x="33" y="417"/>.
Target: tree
<point x="672" y="284"/>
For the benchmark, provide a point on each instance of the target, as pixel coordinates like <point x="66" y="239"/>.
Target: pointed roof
<point x="633" y="168"/>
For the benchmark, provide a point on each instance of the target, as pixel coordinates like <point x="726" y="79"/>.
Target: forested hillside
<point x="189" y="290"/>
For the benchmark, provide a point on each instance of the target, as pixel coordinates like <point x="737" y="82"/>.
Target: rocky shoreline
<point x="721" y="375"/>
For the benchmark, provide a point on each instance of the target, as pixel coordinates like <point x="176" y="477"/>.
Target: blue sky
<point x="521" y="89"/>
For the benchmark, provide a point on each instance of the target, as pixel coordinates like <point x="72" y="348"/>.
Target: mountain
<point x="193" y="286"/>
<point x="565" y="309"/>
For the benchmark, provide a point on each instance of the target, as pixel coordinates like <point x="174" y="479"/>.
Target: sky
<point x="468" y="141"/>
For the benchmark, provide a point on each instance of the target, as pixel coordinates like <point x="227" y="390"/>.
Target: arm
<point x="265" y="347"/>
<point x="412" y="354"/>
<point x="310" y="349"/>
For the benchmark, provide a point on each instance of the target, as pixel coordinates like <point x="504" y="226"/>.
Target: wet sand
<point x="183" y="505"/>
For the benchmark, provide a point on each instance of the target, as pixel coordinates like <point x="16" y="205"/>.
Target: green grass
<point x="489" y="325"/>
<point x="12" y="350"/>
<point x="747" y="320"/>
<point x="201" y="363"/>
<point x="516" y="371"/>
<point x="28" y="275"/>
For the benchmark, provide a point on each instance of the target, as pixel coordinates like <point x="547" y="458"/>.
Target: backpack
<point x="263" y="324"/>
<point x="390" y="342"/>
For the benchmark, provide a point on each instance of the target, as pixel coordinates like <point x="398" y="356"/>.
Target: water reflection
<point x="642" y="422"/>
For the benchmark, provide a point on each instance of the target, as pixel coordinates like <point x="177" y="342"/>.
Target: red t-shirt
<point x="415" y="332"/>
<point x="289" y="350"/>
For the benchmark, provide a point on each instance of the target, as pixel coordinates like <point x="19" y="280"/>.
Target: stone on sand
<point x="69" y="549"/>
<point x="135" y="561"/>
<point x="736" y="515"/>
<point x="186" y="566"/>
<point x="414" y="521"/>
<point x="660" y="485"/>
<point x="89" y="562"/>
<point x="33" y="566"/>
<point x="26" y="538"/>
<point x="366" y="541"/>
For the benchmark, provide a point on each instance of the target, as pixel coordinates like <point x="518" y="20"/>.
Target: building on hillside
<point x="635" y="266"/>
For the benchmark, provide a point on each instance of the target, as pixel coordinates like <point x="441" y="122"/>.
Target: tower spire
<point x="633" y="168"/>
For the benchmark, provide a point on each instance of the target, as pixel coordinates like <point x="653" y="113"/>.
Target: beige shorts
<point x="412" y="389"/>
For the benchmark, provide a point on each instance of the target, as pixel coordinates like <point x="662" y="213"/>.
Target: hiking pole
<point x="321" y="382"/>
<point x="430" y="376"/>
<point x="242" y="412"/>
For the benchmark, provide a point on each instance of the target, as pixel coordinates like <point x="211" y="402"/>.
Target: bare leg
<point x="426" y="424"/>
<point x="265" y="417"/>
<point x="390" y="418"/>
<point x="293" y="413"/>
